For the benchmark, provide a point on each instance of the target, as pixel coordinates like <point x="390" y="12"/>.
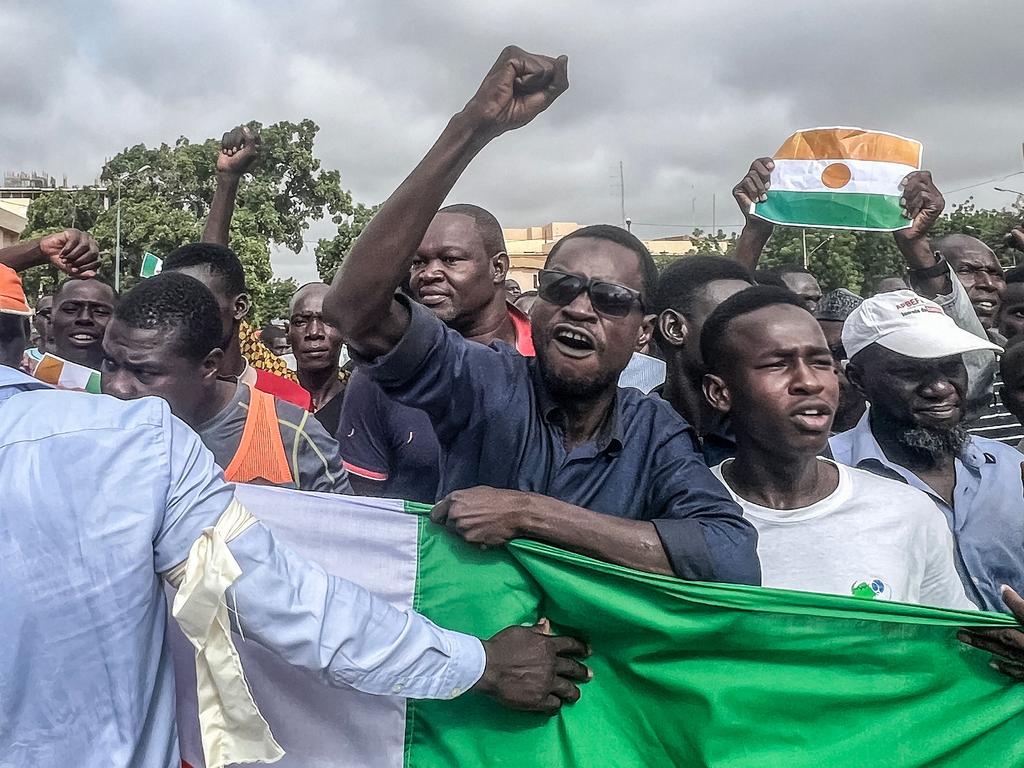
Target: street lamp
<point x="117" y="227"/>
<point x="1011" y="191"/>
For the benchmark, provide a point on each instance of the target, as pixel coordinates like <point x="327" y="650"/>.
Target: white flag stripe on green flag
<point x="865" y="176"/>
<point x="840" y="178"/>
<point x="151" y="265"/>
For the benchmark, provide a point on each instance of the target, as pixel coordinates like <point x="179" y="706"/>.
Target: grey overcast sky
<point x="684" y="94"/>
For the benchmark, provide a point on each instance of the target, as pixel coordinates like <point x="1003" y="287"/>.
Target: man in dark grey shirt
<point x="162" y="341"/>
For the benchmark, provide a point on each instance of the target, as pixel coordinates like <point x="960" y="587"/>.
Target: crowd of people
<point x="781" y="436"/>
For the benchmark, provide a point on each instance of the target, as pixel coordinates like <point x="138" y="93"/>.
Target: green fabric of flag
<point x="692" y="674"/>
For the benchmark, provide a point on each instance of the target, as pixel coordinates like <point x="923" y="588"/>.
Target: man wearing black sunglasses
<point x="548" y="449"/>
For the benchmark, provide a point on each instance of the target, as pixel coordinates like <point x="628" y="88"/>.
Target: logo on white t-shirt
<point x="871" y="589"/>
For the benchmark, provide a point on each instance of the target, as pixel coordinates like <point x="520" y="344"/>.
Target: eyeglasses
<point x="610" y="299"/>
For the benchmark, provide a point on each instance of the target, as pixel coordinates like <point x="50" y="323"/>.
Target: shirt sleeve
<point x="702" y="529"/>
<point x="342" y="632"/>
<point x="318" y="457"/>
<point x="197" y="493"/>
<point x="432" y="367"/>
<point x="981" y="364"/>
<point x="363" y="436"/>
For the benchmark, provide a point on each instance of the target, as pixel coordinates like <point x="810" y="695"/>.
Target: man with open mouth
<point x="549" y="449"/>
<point x="906" y="357"/>
<point x="822" y="527"/>
<point x="81" y="311"/>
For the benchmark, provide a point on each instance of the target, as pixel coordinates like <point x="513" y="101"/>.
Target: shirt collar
<point x="863" y="446"/>
<point x="609" y="437"/>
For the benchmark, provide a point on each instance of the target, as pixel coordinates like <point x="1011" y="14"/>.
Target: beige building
<point x="528" y="248"/>
<point x="13" y="218"/>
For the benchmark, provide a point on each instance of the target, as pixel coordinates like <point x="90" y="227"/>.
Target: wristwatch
<point x="938" y="269"/>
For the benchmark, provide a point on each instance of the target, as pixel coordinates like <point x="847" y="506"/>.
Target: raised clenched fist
<point x="238" y="149"/>
<point x="519" y="87"/>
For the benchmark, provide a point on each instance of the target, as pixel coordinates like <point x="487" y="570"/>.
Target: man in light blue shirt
<point x="100" y="499"/>
<point x="906" y="357"/>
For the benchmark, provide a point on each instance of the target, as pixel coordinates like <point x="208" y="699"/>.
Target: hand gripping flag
<point x="840" y="178"/>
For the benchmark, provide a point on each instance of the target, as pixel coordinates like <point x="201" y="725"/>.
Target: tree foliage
<point x="331" y="253"/>
<point x="166" y="205"/>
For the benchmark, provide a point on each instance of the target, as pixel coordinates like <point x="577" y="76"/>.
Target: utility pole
<point x="803" y="239"/>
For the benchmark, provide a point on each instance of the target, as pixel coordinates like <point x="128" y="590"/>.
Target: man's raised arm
<point x="239" y="148"/>
<point x="753" y="188"/>
<point x="361" y="302"/>
<point x="71" y="251"/>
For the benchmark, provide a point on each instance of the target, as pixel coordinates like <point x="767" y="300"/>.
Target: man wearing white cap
<point x="906" y="357"/>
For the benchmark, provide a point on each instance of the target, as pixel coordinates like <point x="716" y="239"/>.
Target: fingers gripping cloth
<point x="232" y="728"/>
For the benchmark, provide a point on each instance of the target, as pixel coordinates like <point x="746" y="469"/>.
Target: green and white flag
<point x="151" y="265"/>
<point x="840" y="178"/>
<point x="685" y="674"/>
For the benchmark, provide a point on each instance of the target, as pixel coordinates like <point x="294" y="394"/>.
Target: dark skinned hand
<point x="519" y="87"/>
<point x="485" y="516"/>
<point x="922" y="203"/>
<point x="1005" y="643"/>
<point x="73" y="252"/>
<point x="239" y="148"/>
<point x="529" y="669"/>
<point x="753" y="188"/>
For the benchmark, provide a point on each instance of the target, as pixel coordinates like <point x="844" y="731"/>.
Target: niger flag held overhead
<point x="843" y="178"/>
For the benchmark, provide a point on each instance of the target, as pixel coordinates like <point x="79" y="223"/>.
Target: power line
<point x="686" y="226"/>
<point x="987" y="181"/>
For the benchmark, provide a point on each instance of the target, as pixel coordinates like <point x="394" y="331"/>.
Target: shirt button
<point x="396" y="688"/>
<point x="456" y="692"/>
<point x="976" y="580"/>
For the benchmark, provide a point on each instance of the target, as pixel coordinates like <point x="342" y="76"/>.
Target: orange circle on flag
<point x="836" y="175"/>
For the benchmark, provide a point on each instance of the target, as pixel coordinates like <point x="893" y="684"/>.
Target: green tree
<point x="331" y="253"/>
<point x="167" y="204"/>
<point x="275" y="303"/>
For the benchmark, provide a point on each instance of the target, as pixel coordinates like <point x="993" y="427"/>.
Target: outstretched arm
<point x="361" y="303"/>
<point x="71" y="251"/>
<point x="239" y="148"/>
<point x="751" y="189"/>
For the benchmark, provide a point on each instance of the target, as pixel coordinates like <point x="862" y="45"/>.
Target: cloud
<point x="683" y="94"/>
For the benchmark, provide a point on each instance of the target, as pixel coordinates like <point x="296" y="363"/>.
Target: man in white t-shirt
<point x="821" y="527"/>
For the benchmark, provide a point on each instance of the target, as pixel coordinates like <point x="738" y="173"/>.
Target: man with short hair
<point x="551" y="448"/>
<point x="821" y="527"/>
<point x="316" y="345"/>
<point x="689" y="290"/>
<point x="795" y="279"/>
<point x="275" y="339"/>
<point x="979" y="272"/>
<point x="831" y="313"/>
<point x="162" y="342"/>
<point x="14" y="318"/>
<point x="1011" y="309"/>
<point x="906" y="357"/>
<point x="512" y="290"/>
<point x="219" y="269"/>
<point x="81" y="311"/>
<point x="458" y="274"/>
<point x="42" y="321"/>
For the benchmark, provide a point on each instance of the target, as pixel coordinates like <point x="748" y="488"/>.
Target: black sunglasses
<point x="611" y="299"/>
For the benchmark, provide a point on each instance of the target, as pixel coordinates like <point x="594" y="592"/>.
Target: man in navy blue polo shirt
<point x="549" y="449"/>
